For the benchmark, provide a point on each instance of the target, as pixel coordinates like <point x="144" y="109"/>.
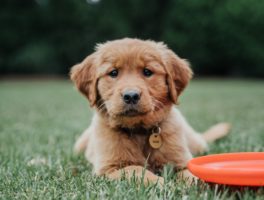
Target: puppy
<point x="133" y="85"/>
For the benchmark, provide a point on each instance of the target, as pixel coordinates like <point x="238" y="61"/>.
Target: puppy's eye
<point x="113" y="73"/>
<point x="147" y="72"/>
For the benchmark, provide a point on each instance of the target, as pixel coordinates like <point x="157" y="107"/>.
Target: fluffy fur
<point x="116" y="142"/>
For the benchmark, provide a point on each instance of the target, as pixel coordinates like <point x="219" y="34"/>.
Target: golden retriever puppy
<point x="133" y="86"/>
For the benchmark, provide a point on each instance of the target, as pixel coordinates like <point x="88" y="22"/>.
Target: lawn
<point x="40" y="120"/>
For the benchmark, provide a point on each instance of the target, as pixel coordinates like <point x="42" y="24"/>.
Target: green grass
<point x="43" y="119"/>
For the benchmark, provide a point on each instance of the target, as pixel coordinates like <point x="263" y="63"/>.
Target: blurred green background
<point x="220" y="38"/>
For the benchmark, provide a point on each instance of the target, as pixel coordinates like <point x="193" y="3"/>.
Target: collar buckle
<point x="156" y="130"/>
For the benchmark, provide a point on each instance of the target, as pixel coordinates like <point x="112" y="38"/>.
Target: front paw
<point x="159" y="180"/>
<point x="187" y="176"/>
<point x="150" y="178"/>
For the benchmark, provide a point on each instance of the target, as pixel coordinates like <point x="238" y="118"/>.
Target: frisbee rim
<point x="198" y="167"/>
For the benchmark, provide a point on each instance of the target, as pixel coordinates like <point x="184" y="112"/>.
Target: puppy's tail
<point x="216" y="132"/>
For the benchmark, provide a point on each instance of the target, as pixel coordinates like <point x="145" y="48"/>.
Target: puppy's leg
<point x="197" y="142"/>
<point x="82" y="142"/>
<point x="139" y="172"/>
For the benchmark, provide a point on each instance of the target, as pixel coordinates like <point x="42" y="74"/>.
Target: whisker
<point x="157" y="104"/>
<point x="101" y="107"/>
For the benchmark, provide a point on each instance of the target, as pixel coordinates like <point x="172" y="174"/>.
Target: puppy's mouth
<point x="132" y="111"/>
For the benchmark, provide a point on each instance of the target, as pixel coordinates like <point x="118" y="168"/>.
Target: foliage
<point x="223" y="38"/>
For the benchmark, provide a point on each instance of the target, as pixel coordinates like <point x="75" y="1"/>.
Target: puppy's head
<point x="131" y="81"/>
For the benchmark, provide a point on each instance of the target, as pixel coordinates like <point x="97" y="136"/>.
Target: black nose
<point x="131" y="96"/>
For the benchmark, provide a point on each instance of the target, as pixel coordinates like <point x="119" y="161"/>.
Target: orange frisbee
<point x="242" y="169"/>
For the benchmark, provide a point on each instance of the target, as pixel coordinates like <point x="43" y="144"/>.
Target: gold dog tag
<point x="155" y="140"/>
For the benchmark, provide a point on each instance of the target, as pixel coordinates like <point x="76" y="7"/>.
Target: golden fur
<point x="107" y="146"/>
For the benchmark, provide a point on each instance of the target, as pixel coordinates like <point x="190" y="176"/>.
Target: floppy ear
<point x="179" y="74"/>
<point x="84" y="77"/>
